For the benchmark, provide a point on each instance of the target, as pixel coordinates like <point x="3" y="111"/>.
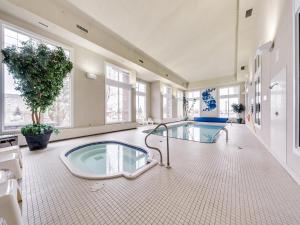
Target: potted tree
<point x="38" y="74"/>
<point x="238" y="108"/>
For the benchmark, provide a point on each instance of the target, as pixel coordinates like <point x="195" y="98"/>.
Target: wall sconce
<point x="265" y="47"/>
<point x="91" y="76"/>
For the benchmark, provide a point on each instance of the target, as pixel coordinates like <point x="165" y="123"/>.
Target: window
<point x="297" y="97"/>
<point x="257" y="90"/>
<point x="227" y="97"/>
<point x="140" y="101"/>
<point x="180" y="104"/>
<point x="167" y="102"/>
<point x="118" y="95"/>
<point x="15" y="113"/>
<point x="193" y="99"/>
<point x="257" y="107"/>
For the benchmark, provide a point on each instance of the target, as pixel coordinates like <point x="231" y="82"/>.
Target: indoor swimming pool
<point x="191" y="131"/>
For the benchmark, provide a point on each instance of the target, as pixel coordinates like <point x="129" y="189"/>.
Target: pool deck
<point x="235" y="183"/>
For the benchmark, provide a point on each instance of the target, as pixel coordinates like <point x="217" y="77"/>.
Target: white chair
<point x="141" y="121"/>
<point x="11" y="162"/>
<point x="150" y="121"/>
<point x="6" y="175"/>
<point x="9" y="208"/>
<point x="12" y="149"/>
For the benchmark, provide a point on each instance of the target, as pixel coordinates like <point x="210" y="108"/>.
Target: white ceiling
<point x="194" y="38"/>
<point x="58" y="31"/>
<point x="247" y="35"/>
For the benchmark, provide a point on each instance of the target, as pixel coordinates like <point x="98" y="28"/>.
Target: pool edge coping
<point x="76" y="172"/>
<point x="169" y="125"/>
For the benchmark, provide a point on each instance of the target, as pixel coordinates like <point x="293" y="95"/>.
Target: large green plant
<point x="38" y="74"/>
<point x="238" y="108"/>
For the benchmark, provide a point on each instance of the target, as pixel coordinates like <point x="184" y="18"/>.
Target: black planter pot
<point x="38" y="142"/>
<point x="239" y="120"/>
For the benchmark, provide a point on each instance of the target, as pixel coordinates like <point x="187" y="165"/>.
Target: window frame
<point x="169" y="97"/>
<point x="107" y="81"/>
<point x="180" y="99"/>
<point x="257" y="79"/>
<point x="228" y="96"/>
<point x="297" y="83"/>
<point x="197" y="98"/>
<point x="43" y="39"/>
<point x="139" y="93"/>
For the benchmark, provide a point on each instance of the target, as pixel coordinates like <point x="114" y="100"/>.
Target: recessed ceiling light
<point x="249" y="13"/>
<point x="141" y="61"/>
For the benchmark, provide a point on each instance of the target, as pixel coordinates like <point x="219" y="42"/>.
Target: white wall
<point x="281" y="29"/>
<point x="88" y="95"/>
<point x="157" y="104"/>
<point x="215" y="113"/>
<point x="148" y="97"/>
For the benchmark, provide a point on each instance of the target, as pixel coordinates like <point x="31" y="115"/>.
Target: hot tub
<point x="107" y="159"/>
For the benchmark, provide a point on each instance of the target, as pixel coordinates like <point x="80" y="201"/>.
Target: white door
<point x="278" y="116"/>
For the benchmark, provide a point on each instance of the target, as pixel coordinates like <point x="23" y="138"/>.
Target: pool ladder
<point x="157" y="149"/>
<point x="226" y="132"/>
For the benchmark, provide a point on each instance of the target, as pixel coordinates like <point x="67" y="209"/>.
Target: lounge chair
<point x="10" y="195"/>
<point x="12" y="149"/>
<point x="150" y="121"/>
<point x="11" y="162"/>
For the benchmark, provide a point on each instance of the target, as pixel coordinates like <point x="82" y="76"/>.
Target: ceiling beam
<point x="216" y="82"/>
<point x="68" y="17"/>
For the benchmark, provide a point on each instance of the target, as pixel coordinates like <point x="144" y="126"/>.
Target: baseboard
<point x="78" y="132"/>
<point x="292" y="174"/>
<point x="290" y="171"/>
<point x="258" y="138"/>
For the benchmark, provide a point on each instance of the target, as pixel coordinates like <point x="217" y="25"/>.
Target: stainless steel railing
<point x="226" y="132"/>
<point x="157" y="149"/>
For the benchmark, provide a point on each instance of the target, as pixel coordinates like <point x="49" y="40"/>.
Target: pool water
<point x="192" y="132"/>
<point x="107" y="158"/>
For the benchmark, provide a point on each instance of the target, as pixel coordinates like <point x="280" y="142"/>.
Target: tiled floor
<point x="208" y="184"/>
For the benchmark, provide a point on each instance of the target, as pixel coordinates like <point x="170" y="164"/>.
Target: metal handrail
<point x="226" y="132"/>
<point x="157" y="149"/>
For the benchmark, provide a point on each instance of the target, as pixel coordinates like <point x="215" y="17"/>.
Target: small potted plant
<point x="38" y="74"/>
<point x="238" y="108"/>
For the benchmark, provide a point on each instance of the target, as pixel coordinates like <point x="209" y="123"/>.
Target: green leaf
<point x="38" y="73"/>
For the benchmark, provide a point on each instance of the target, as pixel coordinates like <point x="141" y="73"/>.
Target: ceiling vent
<point x="82" y="28"/>
<point x="141" y="61"/>
<point x="243" y="68"/>
<point x="249" y="13"/>
<point x="44" y="25"/>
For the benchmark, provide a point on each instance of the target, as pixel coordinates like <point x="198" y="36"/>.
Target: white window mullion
<point x="141" y="94"/>
<point x="119" y="103"/>
<point x="2" y="82"/>
<point x="226" y="99"/>
<point x="116" y="77"/>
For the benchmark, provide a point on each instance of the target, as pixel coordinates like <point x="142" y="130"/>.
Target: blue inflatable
<point x="211" y="119"/>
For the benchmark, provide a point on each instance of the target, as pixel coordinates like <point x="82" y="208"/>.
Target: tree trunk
<point x="37" y="117"/>
<point x="40" y="117"/>
<point x="32" y="117"/>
